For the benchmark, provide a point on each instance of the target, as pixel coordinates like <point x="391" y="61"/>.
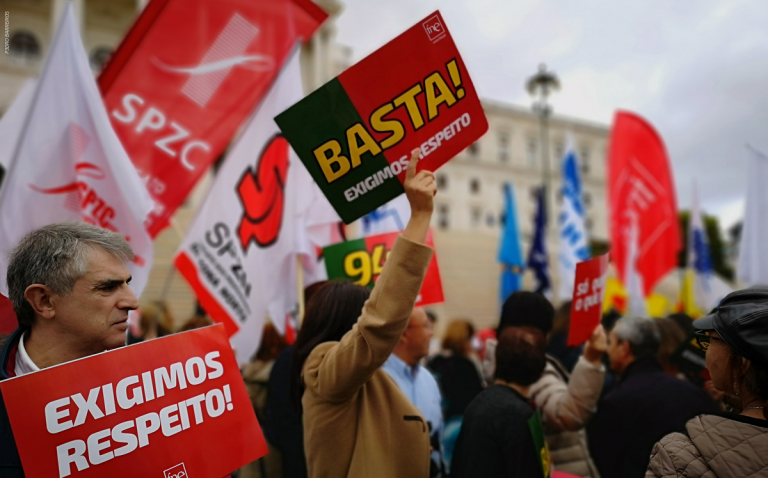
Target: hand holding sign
<point x="587" y="305"/>
<point x="420" y="188"/>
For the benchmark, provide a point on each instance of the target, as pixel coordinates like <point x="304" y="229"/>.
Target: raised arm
<point x="337" y="370"/>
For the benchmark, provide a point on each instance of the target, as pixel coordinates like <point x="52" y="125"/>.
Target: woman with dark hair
<point x="357" y="422"/>
<point x="735" y="337"/>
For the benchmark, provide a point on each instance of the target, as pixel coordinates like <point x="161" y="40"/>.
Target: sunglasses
<point x="703" y="339"/>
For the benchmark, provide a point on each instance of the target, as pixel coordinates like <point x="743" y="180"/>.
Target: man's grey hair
<point x="57" y="256"/>
<point x="642" y="334"/>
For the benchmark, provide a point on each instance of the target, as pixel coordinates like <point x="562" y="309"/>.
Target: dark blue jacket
<point x="646" y="405"/>
<point x="10" y="463"/>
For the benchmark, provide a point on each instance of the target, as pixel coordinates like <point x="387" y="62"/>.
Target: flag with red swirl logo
<point x="68" y="164"/>
<point x="262" y="212"/>
<point x="186" y="76"/>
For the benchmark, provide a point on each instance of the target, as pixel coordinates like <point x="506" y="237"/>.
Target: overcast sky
<point x="696" y="69"/>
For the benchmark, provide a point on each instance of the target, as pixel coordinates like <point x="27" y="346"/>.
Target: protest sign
<point x="176" y="403"/>
<point x="587" y="304"/>
<point x="356" y="132"/>
<point x="362" y="260"/>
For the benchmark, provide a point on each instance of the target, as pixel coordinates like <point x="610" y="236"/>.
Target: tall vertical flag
<point x="643" y="211"/>
<point x="187" y="75"/>
<point x="538" y="261"/>
<point x="69" y="165"/>
<point x="753" y="250"/>
<point x="699" y="273"/>
<point x="262" y="212"/>
<point x="572" y="233"/>
<point x="510" y="248"/>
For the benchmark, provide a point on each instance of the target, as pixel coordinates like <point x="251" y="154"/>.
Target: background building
<point x="470" y="203"/>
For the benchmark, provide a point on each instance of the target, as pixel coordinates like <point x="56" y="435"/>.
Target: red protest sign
<point x="187" y="75"/>
<point x="355" y="133"/>
<point x="587" y="304"/>
<point x="361" y="261"/>
<point x="168" y="405"/>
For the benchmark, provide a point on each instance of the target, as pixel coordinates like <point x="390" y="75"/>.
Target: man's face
<point x="618" y="353"/>
<point x="95" y="313"/>
<point x="418" y="334"/>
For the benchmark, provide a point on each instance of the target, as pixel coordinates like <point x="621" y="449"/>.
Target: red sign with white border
<point x="587" y="304"/>
<point x="174" y="407"/>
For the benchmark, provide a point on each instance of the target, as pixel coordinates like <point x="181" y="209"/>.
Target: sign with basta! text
<point x="174" y="406"/>
<point x="362" y="260"/>
<point x="355" y="133"/>
<point x="587" y="304"/>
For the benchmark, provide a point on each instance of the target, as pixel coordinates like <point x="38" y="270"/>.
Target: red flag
<point x="641" y="193"/>
<point x="186" y="76"/>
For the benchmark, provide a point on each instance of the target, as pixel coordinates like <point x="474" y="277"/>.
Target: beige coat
<point x="718" y="447"/>
<point x="357" y="422"/>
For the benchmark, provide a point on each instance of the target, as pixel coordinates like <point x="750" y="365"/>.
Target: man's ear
<point x="40" y="298"/>
<point x="626" y="348"/>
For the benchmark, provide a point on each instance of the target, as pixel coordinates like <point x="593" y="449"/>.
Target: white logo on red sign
<point x="226" y="52"/>
<point x="177" y="471"/>
<point x="434" y="28"/>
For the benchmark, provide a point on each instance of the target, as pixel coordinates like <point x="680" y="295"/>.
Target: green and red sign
<point x="362" y="260"/>
<point x="355" y="133"/>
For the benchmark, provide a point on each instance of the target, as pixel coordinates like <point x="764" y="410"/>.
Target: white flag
<point x="262" y="212"/>
<point x="13" y="121"/>
<point x="633" y="281"/>
<point x="69" y="164"/>
<point x="391" y="217"/>
<point x="699" y="257"/>
<point x="572" y="233"/>
<point x="753" y="251"/>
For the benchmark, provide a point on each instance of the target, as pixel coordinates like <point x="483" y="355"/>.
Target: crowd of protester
<point x="367" y="390"/>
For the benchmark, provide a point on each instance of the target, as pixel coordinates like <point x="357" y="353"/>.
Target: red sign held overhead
<point x="641" y="197"/>
<point x="587" y="304"/>
<point x="162" y="408"/>
<point x="186" y="76"/>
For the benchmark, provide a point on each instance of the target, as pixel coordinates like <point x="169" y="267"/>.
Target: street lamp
<point x="540" y="86"/>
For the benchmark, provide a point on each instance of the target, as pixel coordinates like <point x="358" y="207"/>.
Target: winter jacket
<point x="646" y="405"/>
<point x="10" y="463"/>
<point x="716" y="446"/>
<point x="357" y="422"/>
<point x="566" y="403"/>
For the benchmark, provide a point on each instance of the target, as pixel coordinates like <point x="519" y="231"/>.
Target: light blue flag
<point x="510" y="249"/>
<point x="572" y="233"/>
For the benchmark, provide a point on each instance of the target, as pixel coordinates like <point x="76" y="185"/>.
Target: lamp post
<point x="540" y="86"/>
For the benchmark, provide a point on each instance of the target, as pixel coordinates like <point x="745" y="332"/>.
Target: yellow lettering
<point x="358" y="131"/>
<point x="326" y="162"/>
<point x="357" y="266"/>
<point x="409" y="100"/>
<point x="383" y="126"/>
<point x="436" y="81"/>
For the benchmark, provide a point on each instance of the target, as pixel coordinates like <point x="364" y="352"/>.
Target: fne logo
<point x="434" y="28"/>
<point x="177" y="471"/>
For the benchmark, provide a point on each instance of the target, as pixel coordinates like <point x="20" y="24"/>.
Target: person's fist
<point x="596" y="345"/>
<point x="420" y="187"/>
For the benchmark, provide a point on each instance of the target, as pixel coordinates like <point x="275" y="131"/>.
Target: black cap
<point x="741" y="320"/>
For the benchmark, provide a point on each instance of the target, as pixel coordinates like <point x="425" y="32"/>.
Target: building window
<point x="23" y="44"/>
<point x="99" y="57"/>
<point x="442" y="181"/>
<point x="584" y="157"/>
<point x="532" y="152"/>
<point x="504" y="147"/>
<point x="586" y="199"/>
<point x="559" y="150"/>
<point x="588" y="225"/>
<point x="443" y="219"/>
<point x="473" y="150"/>
<point x="474" y="186"/>
<point x="476" y="215"/>
<point x="490" y="220"/>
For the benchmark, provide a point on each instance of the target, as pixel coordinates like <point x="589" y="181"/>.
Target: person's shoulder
<point x="673" y="453"/>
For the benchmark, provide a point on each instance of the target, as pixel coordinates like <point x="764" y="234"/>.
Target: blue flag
<point x="572" y="231"/>
<point x="537" y="256"/>
<point x="510" y="250"/>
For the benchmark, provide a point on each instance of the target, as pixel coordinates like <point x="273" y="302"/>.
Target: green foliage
<point x="716" y="244"/>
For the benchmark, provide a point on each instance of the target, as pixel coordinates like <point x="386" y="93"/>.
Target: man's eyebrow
<point x="111" y="283"/>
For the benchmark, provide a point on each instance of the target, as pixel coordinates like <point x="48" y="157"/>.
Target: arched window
<point x="24" y="44"/>
<point x="99" y="57"/>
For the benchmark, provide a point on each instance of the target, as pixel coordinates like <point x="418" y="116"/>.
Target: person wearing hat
<point x="735" y="337"/>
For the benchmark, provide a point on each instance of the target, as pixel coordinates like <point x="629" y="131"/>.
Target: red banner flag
<point x="175" y="406"/>
<point x="186" y="76"/>
<point x="642" y="201"/>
